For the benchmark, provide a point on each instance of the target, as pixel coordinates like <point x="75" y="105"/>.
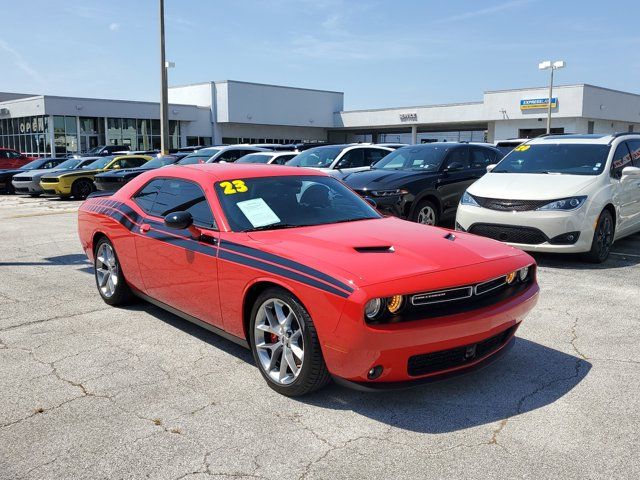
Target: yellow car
<point x="79" y="183"/>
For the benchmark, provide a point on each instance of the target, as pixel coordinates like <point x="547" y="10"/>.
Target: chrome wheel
<point x="279" y="341"/>
<point x="106" y="270"/>
<point x="427" y="215"/>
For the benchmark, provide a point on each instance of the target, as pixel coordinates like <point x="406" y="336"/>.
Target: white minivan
<point x="559" y="193"/>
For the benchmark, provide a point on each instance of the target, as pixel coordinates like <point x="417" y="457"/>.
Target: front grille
<point x="49" y="180"/>
<point x="21" y="190"/>
<point x="22" y="179"/>
<point x="456" y="357"/>
<point x="509" y="233"/>
<point x="509" y="205"/>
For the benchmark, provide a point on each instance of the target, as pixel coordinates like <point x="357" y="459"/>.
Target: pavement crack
<point x="51" y="319"/>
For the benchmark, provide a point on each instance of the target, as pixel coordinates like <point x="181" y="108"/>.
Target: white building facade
<point x="228" y="112"/>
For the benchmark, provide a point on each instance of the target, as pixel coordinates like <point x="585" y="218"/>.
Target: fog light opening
<point x="374" y="372"/>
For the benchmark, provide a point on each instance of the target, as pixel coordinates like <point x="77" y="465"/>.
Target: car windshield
<point x="34" y="164"/>
<point x="255" y="158"/>
<point x="558" y="158"/>
<point x="160" y="162"/>
<point x="199" y="157"/>
<point x="100" y="163"/>
<point x="271" y="203"/>
<point x="319" y="157"/>
<point x="426" y="158"/>
<point x="71" y="163"/>
<point x="94" y="150"/>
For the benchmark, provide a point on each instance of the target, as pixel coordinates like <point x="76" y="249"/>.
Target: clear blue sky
<point x="379" y="52"/>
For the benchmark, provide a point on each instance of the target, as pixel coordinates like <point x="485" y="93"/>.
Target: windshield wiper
<point x="500" y="171"/>
<point x="277" y="226"/>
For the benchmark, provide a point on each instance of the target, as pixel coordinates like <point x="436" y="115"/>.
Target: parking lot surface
<point x="91" y="391"/>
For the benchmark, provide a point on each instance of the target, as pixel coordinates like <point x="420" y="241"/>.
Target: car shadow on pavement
<point x="529" y="377"/>
<point x="624" y="253"/>
<point x="79" y="259"/>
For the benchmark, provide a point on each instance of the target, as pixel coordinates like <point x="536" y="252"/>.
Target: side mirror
<point x="371" y="202"/>
<point x="633" y="172"/>
<point x="178" y="220"/>
<point x="491" y="167"/>
<point x="454" y="167"/>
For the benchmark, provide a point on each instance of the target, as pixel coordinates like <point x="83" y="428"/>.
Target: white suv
<point x="338" y="160"/>
<point x="559" y="193"/>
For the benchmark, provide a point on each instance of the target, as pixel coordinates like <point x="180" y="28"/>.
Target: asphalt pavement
<point x="90" y="391"/>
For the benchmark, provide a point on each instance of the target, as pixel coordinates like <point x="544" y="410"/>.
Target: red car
<point x="294" y="265"/>
<point x="10" y="159"/>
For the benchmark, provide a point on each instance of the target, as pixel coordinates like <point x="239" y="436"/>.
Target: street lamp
<point x="164" y="94"/>
<point x="549" y="65"/>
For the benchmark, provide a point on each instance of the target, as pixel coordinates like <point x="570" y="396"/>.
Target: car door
<point x="351" y="161"/>
<point x="455" y="176"/>
<point x="177" y="269"/>
<point x="631" y="188"/>
<point x="623" y="191"/>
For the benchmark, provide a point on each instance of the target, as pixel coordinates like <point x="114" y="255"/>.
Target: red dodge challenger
<point x="294" y="265"/>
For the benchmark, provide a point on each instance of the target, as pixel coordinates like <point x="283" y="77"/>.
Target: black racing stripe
<point x="285" y="262"/>
<point x="283" y="272"/>
<point x="187" y="244"/>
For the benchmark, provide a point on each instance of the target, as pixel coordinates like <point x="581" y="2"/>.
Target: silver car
<point x="339" y="160"/>
<point x="28" y="183"/>
<point x="222" y="153"/>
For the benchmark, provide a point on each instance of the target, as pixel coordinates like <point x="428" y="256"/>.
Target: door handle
<point x="144" y="228"/>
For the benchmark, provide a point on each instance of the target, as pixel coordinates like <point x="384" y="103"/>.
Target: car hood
<point x="76" y="172"/>
<point x="11" y="171"/>
<point x="530" y="186"/>
<point x="380" y="178"/>
<point x="417" y="249"/>
<point x="38" y="171"/>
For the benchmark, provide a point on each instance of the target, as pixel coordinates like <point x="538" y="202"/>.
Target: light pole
<point x="164" y="94"/>
<point x="549" y="65"/>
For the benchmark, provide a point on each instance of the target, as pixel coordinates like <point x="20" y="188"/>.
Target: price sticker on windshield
<point x="232" y="187"/>
<point x="522" y="148"/>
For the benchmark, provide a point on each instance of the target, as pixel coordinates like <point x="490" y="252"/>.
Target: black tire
<point x="81" y="188"/>
<point x="34" y="195"/>
<point x="422" y="206"/>
<point x="122" y="294"/>
<point x="9" y="190"/>
<point x="602" y="239"/>
<point x="313" y="371"/>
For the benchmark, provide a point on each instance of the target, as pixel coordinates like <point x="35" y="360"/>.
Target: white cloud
<point x="20" y="62"/>
<point x="486" y="11"/>
<point x="114" y="27"/>
<point x="332" y="22"/>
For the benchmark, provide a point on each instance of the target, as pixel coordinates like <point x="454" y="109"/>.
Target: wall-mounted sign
<point x="409" y="117"/>
<point x="531" y="103"/>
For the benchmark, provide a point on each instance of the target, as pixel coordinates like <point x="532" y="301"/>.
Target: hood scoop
<point x="375" y="249"/>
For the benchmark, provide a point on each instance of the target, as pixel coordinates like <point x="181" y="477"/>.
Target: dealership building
<point x="227" y="112"/>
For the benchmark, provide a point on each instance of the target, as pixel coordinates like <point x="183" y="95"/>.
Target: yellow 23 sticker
<point x="522" y="148"/>
<point x="234" y="186"/>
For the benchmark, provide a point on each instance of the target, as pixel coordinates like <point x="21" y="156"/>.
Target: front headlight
<point x="379" y="309"/>
<point x="570" y="203"/>
<point x="467" y="199"/>
<point x="373" y="308"/>
<point x="389" y="193"/>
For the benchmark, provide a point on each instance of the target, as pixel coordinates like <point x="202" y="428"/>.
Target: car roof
<point x="229" y="171"/>
<point x="587" y="138"/>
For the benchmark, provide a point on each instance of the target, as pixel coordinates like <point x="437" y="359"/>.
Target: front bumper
<point x="60" y="188"/>
<point x="550" y="223"/>
<point x="26" y="187"/>
<point x="395" y="205"/>
<point x="357" y="349"/>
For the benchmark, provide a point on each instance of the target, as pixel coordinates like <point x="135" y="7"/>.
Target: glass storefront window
<point x="58" y="124"/>
<point x="129" y="134"/>
<point x="155" y="127"/>
<point x="144" y="127"/>
<point x="70" y="125"/>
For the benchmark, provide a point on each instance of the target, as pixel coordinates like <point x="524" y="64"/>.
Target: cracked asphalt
<point x="90" y="391"/>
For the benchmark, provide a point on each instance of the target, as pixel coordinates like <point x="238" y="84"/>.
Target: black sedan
<point x="424" y="183"/>
<point x="114" y="179"/>
<point x="41" y="163"/>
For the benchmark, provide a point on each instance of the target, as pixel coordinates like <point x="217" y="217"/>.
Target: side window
<point x="459" y="156"/>
<point x="621" y="159"/>
<point x="281" y="160"/>
<point x="180" y="195"/>
<point x="634" y="146"/>
<point x="352" y="159"/>
<point x="13" y="154"/>
<point x="49" y="164"/>
<point x="145" y="197"/>
<point x="232" y="155"/>
<point x="133" y="162"/>
<point x="4" y="154"/>
<point x="481" y="157"/>
<point x="372" y="155"/>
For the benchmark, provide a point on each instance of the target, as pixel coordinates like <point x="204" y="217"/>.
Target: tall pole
<point x="549" y="103"/>
<point x="164" y="95"/>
